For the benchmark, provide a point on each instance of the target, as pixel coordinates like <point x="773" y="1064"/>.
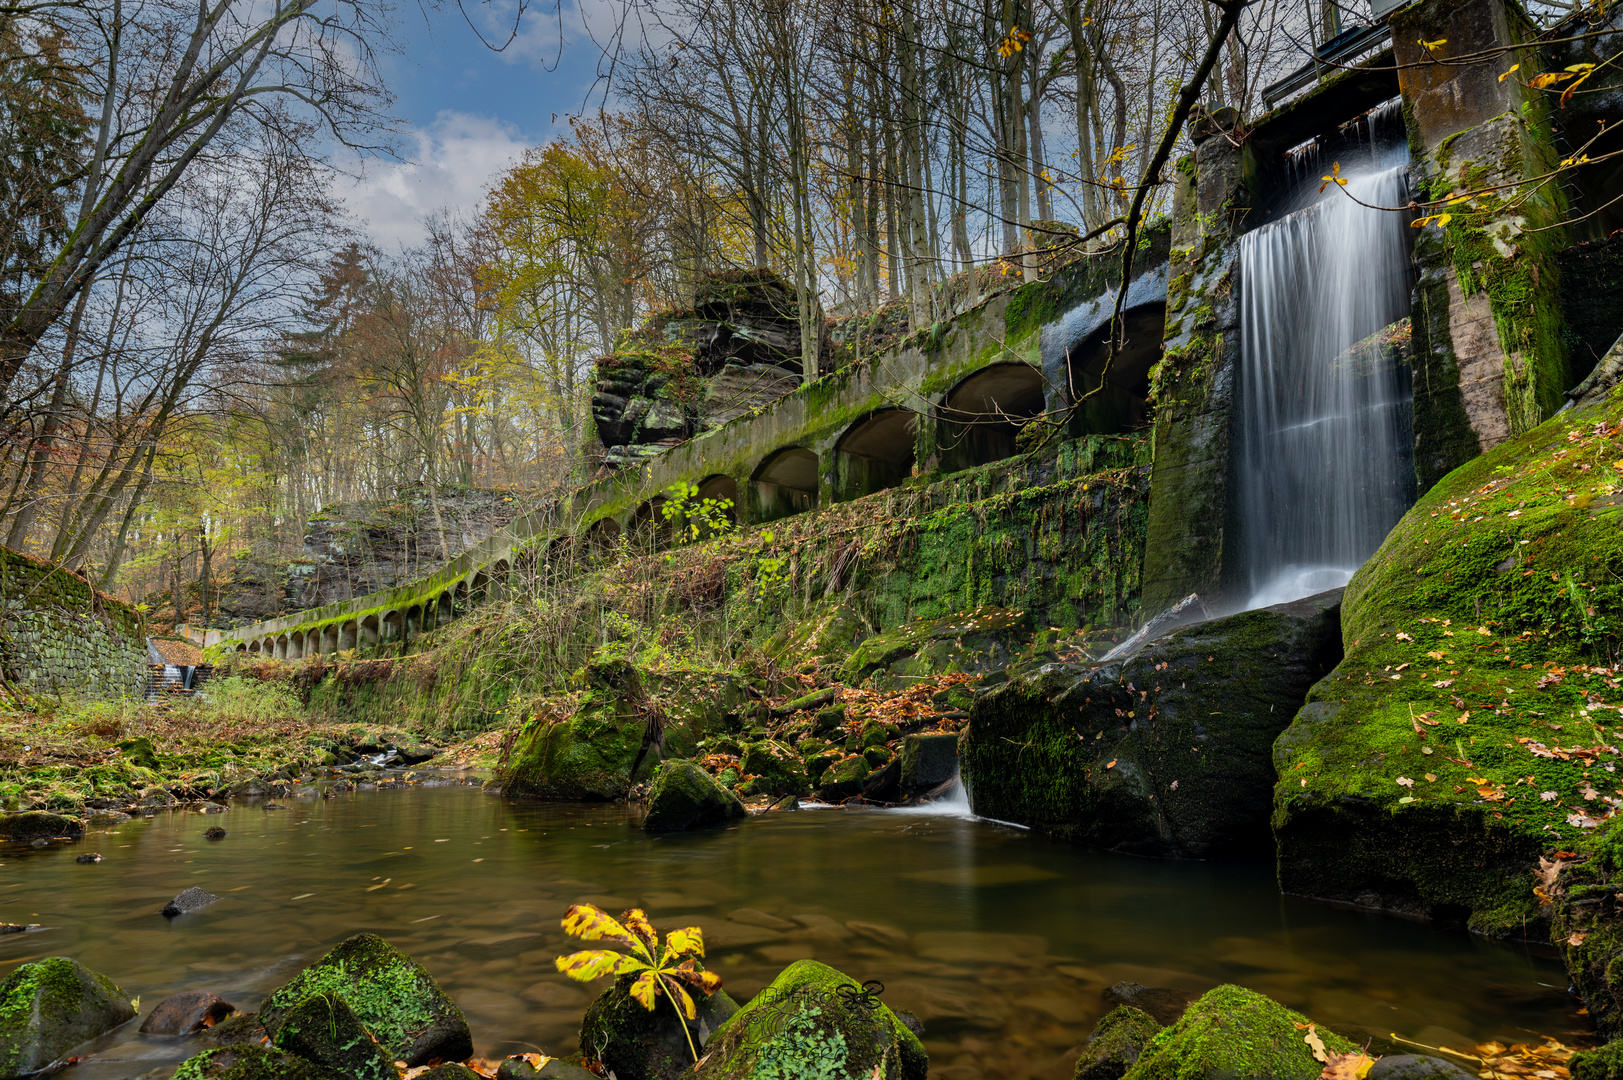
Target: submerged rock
<point x="518" y="1068"/>
<point x="323" y="1029"/>
<point x="637" y="1044"/>
<point x="1162" y="1003"/>
<point x="250" y="1063"/>
<point x="1168" y="753"/>
<point x="193" y="899"/>
<point x="88" y="857"/>
<point x="1231" y="1033"/>
<point x="392" y="995"/>
<point x="684" y="796"/>
<point x="186" y="1014"/>
<point x="1478" y="630"/>
<point x="813" y="1021"/>
<point x="1116" y="1043"/>
<point x="50" y="1006"/>
<point x="38" y="825"/>
<point x="1423" y="1067"/>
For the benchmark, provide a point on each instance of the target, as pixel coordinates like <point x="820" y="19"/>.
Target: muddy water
<point x="999" y="939"/>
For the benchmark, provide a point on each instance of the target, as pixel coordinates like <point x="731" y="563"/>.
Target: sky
<point x="466" y="112"/>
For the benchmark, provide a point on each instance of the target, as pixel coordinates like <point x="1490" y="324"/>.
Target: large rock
<point x="50" y="1006"/>
<point x="250" y="1063"/>
<point x="777" y="769"/>
<point x="813" y="1021"/>
<point x="186" y="1014"/>
<point x="983" y="640"/>
<point x="393" y="996"/>
<point x="1117" y="1041"/>
<point x="684" y="796"/>
<point x="638" y="1044"/>
<point x="1167" y="753"/>
<point x="928" y="760"/>
<point x="589" y="754"/>
<point x="323" y="1029"/>
<point x="38" y="825"/>
<point x="1455" y="741"/>
<point x="1235" y="1034"/>
<point x="188" y="901"/>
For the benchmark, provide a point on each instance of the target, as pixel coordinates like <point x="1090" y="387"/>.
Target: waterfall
<point x="1325" y="455"/>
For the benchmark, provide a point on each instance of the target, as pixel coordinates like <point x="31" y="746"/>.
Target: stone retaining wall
<point x="61" y="637"/>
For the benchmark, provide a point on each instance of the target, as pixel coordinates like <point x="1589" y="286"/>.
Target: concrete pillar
<point x="1488" y="354"/>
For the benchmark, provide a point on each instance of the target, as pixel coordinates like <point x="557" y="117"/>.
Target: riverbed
<point x="1001" y="940"/>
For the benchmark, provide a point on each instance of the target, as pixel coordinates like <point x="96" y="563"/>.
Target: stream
<point x="1001" y="940"/>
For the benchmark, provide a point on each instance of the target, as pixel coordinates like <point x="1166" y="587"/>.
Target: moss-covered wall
<point x="59" y="636"/>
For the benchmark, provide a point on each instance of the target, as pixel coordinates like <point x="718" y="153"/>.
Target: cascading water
<point x="1325" y="436"/>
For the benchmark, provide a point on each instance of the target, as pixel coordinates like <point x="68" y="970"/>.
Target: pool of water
<point x="1000" y="939"/>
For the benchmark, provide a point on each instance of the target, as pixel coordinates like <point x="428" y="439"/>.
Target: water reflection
<point x="1000" y="939"/>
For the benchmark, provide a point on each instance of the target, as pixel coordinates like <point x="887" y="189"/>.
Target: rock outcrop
<point x="50" y="1006"/>
<point x="1168" y="753"/>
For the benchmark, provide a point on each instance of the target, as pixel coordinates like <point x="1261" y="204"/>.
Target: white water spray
<point x="1325" y="444"/>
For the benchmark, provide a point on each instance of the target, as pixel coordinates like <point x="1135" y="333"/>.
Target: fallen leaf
<point x="1112" y="764"/>
<point x="1575" y="938"/>
<point x="1353" y="1066"/>
<point x="1404" y="781"/>
<point x="1315" y="1044"/>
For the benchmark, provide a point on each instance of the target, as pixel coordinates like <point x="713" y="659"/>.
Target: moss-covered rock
<point x="981" y="640"/>
<point x="1169" y="753"/>
<point x="777" y="769"/>
<point x="928" y="760"/>
<point x="50" y="1006"/>
<point x="813" y="1023"/>
<point x="519" y="1068"/>
<point x="39" y="825"/>
<point x="638" y="1044"/>
<point x="1116" y="1043"/>
<point x="844" y="778"/>
<point x="1605" y="1063"/>
<point x="684" y="796"/>
<point x="323" y="1029"/>
<point x="450" y="1070"/>
<point x="1231" y="1033"/>
<point x="588" y="754"/>
<point x="1587" y="926"/>
<point x="393" y="996"/>
<point x="250" y="1063"/>
<point x="1457" y="738"/>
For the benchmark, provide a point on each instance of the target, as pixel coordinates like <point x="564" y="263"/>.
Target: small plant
<point x="658" y="970"/>
<point x="699" y="519"/>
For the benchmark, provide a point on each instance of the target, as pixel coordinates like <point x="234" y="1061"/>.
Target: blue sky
<point x="467" y="112"/>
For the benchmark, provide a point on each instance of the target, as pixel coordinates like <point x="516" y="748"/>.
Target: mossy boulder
<point x="588" y="754"/>
<point x="1587" y="926"/>
<point x="323" y="1029"/>
<point x="39" y="825"/>
<point x="251" y="1063"/>
<point x="684" y="796"/>
<point x="1231" y="1033"/>
<point x="638" y="1044"/>
<point x="1116" y="1043"/>
<point x="1604" y="1063"/>
<point x="928" y="760"/>
<point x="50" y="1006"/>
<point x="777" y="769"/>
<point x="1168" y="753"/>
<point x="981" y="640"/>
<point x="1455" y="741"/>
<point x="844" y="778"/>
<point x="395" y="997"/>
<point x="519" y="1068"/>
<point x="812" y="1021"/>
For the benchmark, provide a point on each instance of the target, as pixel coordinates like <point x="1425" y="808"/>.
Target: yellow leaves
<point x="1111" y="764"/>
<point x="636" y="921"/>
<point x="1438" y="220"/>
<point x="1432" y="46"/>
<point x="1435" y="654"/>
<point x="644" y="989"/>
<point x="1015" y="42"/>
<point x="1315" y="1044"/>
<point x="1513" y="69"/>
<point x="1352" y="1066"/>
<point x="1335" y="177"/>
<point x="592" y="964"/>
<point x="591" y="923"/>
<point x="687" y="942"/>
<point x="1548" y="79"/>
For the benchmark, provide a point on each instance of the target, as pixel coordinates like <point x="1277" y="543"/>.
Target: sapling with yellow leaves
<point x="670" y="970"/>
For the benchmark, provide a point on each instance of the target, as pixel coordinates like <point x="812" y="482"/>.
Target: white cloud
<point x="454" y="161"/>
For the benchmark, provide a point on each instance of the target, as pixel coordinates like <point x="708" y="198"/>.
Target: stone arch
<point x="602" y="535"/>
<point x="1123" y="403"/>
<point x="370" y="632"/>
<point x="479" y="591"/>
<point x="876" y="452"/>
<point x="721" y="491"/>
<point x="445" y="608"/>
<point x="252" y="647"/>
<point x="978" y="419"/>
<point x="349" y="635"/>
<point x="786" y="483"/>
<point x="394" y="626"/>
<point x="282" y="645"/>
<point x="298" y="645"/>
<point x="459" y="597"/>
<point x="414" y="622"/>
<point x="648" y="523"/>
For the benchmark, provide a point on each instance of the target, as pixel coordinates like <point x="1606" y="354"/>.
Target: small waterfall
<point x="1325" y="436"/>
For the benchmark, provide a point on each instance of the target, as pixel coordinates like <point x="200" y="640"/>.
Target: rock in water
<point x="1231" y="1033"/>
<point x="1162" y="1003"/>
<point x="49" y="1007"/>
<point x="684" y="796"/>
<point x="215" y="833"/>
<point x="778" y="769"/>
<point x="89" y="857"/>
<point x="928" y="760"/>
<point x="250" y="1063"/>
<point x="636" y="1044"/>
<point x="1169" y="753"/>
<point x="1423" y="1067"/>
<point x="37" y="825"/>
<point x="186" y="1014"/>
<point x="813" y="1021"/>
<point x="517" y="1068"/>
<point x="393" y="995"/>
<point x="1116" y="1043"/>
<point x="193" y="899"/>
<point x="323" y="1029"/>
<point x="451" y="1070"/>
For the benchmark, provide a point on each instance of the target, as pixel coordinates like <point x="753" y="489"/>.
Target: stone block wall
<point x="60" y="637"/>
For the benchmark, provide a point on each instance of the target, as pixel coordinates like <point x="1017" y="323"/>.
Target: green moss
<point x="1234" y="1034"/>
<point x="1118" y="1040"/>
<point x="1469" y="635"/>
<point x="249" y="1063"/>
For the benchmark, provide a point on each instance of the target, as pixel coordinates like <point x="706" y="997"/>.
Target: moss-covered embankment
<point x="1473" y="722"/>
